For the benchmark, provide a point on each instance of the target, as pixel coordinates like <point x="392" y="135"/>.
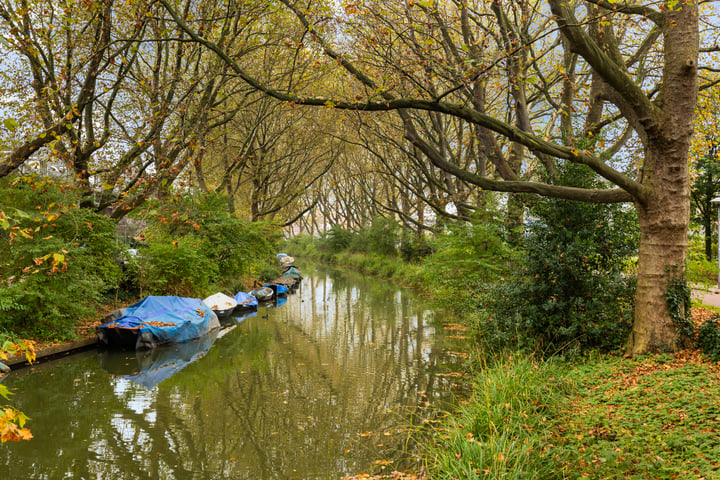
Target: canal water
<point x="321" y="386"/>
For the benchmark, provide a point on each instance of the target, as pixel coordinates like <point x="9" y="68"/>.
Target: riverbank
<point x="86" y="337"/>
<point x="593" y="416"/>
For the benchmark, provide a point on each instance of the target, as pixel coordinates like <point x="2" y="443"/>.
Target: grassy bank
<point x="601" y="417"/>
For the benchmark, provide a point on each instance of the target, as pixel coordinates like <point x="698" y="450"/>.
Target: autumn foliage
<point x="12" y="420"/>
<point x="60" y="258"/>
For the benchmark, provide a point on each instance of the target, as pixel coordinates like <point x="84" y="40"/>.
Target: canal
<point x="321" y="386"/>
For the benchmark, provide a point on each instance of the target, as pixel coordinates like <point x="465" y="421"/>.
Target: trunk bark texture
<point x="664" y="212"/>
<point x="661" y="259"/>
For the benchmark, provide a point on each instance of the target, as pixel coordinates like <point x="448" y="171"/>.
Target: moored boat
<point x="278" y="289"/>
<point x="221" y="304"/>
<point x="291" y="271"/>
<point x="263" y="294"/>
<point x="157" y="320"/>
<point x="288" y="282"/>
<point x="245" y="300"/>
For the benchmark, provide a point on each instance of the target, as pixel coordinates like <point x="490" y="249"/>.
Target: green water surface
<point x="319" y="387"/>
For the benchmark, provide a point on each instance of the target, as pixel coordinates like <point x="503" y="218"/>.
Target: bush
<point x="300" y="245"/>
<point x="176" y="267"/>
<point x="336" y="239"/>
<point x="709" y="338"/>
<point x="572" y="289"/>
<point x="59" y="259"/>
<point x="699" y="268"/>
<point x="195" y="245"/>
<point x="414" y="248"/>
<point x="382" y="238"/>
<point x="467" y="260"/>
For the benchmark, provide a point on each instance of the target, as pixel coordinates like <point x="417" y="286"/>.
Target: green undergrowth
<point x="603" y="417"/>
<point x="408" y="274"/>
<point x="501" y="431"/>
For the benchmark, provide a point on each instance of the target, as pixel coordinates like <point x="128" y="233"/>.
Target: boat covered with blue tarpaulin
<point x="158" y="320"/>
<point x="245" y="300"/>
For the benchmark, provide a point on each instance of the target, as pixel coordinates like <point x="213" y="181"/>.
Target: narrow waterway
<point x="319" y="387"/>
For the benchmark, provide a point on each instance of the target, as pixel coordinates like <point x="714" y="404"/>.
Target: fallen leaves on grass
<point x="391" y="475"/>
<point x="642" y="415"/>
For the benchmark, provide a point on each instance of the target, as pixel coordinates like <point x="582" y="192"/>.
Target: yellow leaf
<point x="58" y="258"/>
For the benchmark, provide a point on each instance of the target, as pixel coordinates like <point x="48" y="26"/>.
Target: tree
<point x="119" y="102"/>
<point x="621" y="77"/>
<point x="574" y="291"/>
<point x="704" y="189"/>
<point x="704" y="167"/>
<point x="65" y="53"/>
<point x="269" y="158"/>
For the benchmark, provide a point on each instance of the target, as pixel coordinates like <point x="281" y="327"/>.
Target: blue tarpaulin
<point x="164" y="320"/>
<point x="278" y="288"/>
<point x="245" y="300"/>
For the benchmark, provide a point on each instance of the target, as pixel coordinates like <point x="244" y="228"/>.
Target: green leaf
<point x="21" y="419"/>
<point x="21" y="214"/>
<point x="10" y="123"/>
<point x="4" y="392"/>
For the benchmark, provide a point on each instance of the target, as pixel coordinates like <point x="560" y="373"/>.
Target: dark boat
<point x="157" y="320"/>
<point x="263" y="294"/>
<point x="288" y="282"/>
<point x="278" y="289"/>
<point x="245" y="301"/>
<point x="291" y="271"/>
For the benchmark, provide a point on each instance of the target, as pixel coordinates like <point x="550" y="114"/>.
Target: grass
<point x="603" y="417"/>
<point x="653" y="417"/>
<point x="500" y="432"/>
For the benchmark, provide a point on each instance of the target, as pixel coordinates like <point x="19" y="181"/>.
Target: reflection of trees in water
<point x="278" y="397"/>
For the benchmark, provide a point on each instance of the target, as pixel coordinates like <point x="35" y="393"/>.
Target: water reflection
<point x="314" y="389"/>
<point x="150" y="367"/>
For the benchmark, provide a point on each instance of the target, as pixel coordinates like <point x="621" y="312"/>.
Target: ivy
<point x="677" y="297"/>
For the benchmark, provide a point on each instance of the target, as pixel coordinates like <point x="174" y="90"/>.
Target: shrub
<point x="709" y="338"/>
<point x="699" y="268"/>
<point x="336" y="239"/>
<point x="413" y="248"/>
<point x="176" y="267"/>
<point x="194" y="243"/>
<point x="572" y="288"/>
<point x="59" y="259"/>
<point x="468" y="258"/>
<point x="300" y="245"/>
<point x="381" y="237"/>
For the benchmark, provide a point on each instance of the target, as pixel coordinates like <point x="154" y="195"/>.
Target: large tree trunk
<point x="665" y="211"/>
<point x="663" y="247"/>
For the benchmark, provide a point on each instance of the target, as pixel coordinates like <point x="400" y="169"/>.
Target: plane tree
<point x="113" y="96"/>
<point x="423" y="196"/>
<point x="55" y="58"/>
<point x="270" y="160"/>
